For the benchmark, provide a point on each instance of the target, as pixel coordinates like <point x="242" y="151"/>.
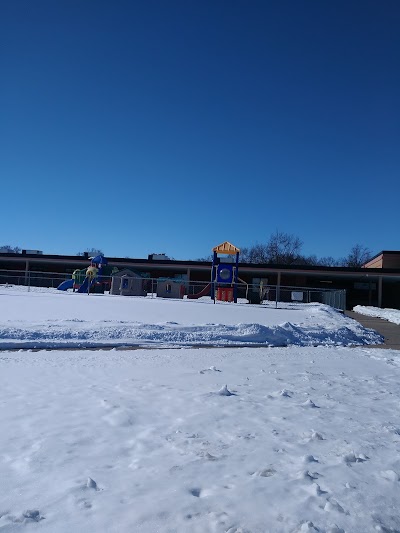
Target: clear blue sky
<point x="171" y="126"/>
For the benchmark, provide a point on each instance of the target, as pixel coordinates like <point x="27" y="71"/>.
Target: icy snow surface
<point x="181" y="440"/>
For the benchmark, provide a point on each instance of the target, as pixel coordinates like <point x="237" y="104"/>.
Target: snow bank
<point x="391" y="315"/>
<point x="51" y="319"/>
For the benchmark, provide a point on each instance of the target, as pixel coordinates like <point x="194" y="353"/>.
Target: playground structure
<point x="223" y="286"/>
<point x="128" y="283"/>
<point x="224" y="274"/>
<point x="90" y="279"/>
<point x="203" y="292"/>
<point x="170" y="288"/>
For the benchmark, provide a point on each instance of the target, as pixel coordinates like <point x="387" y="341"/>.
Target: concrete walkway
<point x="390" y="331"/>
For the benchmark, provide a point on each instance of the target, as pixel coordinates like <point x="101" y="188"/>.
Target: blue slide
<point x="65" y="285"/>
<point x="84" y="286"/>
<point x="100" y="261"/>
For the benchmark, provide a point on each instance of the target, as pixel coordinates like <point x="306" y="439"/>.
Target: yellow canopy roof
<point x="226" y="248"/>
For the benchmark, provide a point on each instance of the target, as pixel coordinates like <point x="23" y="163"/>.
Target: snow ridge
<point x="81" y="333"/>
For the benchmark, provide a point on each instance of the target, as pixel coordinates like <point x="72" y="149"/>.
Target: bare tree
<point x="205" y="258"/>
<point x="309" y="260"/>
<point x="92" y="252"/>
<point x="358" y="256"/>
<point x="258" y="253"/>
<point x="254" y="254"/>
<point x="283" y="248"/>
<point x="244" y="254"/>
<point x="330" y="261"/>
<point x="6" y="248"/>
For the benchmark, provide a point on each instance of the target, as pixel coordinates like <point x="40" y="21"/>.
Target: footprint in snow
<point x="224" y="391"/>
<point x="218" y="518"/>
<point x="333" y="505"/>
<point x="316" y="436"/>
<point x="309" y="403"/>
<point x="265" y="472"/>
<point x="208" y="457"/>
<point x="308" y="476"/>
<point x="247" y="436"/>
<point x="191" y="516"/>
<point x="390" y="475"/>
<point x="211" y="369"/>
<point x="310" y="436"/>
<point x="316" y="490"/>
<point x="91" y="484"/>
<point x="352" y="458"/>
<point x="30" y="515"/>
<point x="84" y="504"/>
<point x="33" y="515"/>
<point x="201" y="493"/>
<point x="310" y="459"/>
<point x="390" y="428"/>
<point x="307" y="527"/>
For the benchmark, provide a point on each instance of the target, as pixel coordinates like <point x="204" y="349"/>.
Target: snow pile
<point x="54" y="319"/>
<point x="391" y="315"/>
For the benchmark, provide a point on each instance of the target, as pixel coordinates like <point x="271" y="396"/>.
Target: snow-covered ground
<point x="391" y="315"/>
<point x="55" y="318"/>
<point x="256" y="440"/>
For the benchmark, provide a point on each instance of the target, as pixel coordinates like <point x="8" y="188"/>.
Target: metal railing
<point x="32" y="279"/>
<point x="253" y="293"/>
<point x="336" y="298"/>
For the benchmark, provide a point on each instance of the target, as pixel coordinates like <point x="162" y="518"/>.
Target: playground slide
<point x="65" y="285"/>
<point x="84" y="286"/>
<point x="204" y="292"/>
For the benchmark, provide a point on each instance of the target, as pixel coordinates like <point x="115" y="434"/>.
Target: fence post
<point x="278" y="290"/>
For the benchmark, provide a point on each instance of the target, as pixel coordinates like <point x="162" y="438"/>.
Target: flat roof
<point x="165" y="263"/>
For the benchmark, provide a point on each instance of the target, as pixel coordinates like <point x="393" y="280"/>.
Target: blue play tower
<point x="224" y="274"/>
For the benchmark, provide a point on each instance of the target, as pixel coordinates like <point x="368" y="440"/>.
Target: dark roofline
<point x="42" y="257"/>
<point x="190" y="263"/>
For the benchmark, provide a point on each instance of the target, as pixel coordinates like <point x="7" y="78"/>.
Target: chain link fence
<point x="253" y="293"/>
<point x="32" y="279"/>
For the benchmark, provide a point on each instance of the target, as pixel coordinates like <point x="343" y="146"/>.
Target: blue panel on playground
<point x="99" y="260"/>
<point x="224" y="273"/>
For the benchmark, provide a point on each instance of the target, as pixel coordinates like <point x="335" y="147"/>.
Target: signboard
<point x="297" y="296"/>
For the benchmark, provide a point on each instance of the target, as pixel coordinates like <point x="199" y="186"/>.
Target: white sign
<point x="297" y="296"/>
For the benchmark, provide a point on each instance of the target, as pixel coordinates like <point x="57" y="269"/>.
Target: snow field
<point x="219" y="440"/>
<point x="147" y="440"/>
